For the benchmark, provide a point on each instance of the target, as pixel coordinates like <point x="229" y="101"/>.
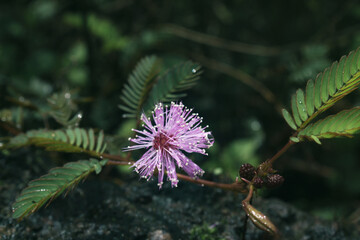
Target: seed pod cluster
<point x="275" y="180"/>
<point x="247" y="171"/>
<point x="258" y="182"/>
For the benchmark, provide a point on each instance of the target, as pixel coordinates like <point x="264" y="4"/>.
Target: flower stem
<point x="236" y="186"/>
<point x="115" y="158"/>
<point x="280" y="152"/>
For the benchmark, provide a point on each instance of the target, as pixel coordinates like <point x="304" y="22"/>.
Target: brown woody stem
<point x="281" y="152"/>
<point x="236" y="186"/>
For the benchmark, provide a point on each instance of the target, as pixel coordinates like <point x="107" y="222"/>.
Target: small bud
<point x="247" y="171"/>
<point x="258" y="182"/>
<point x="259" y="219"/>
<point x="275" y="180"/>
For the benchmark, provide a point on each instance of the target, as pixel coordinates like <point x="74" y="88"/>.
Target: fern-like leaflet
<point x="62" y="108"/>
<point x="146" y="86"/>
<point x="175" y="80"/>
<point x="69" y="140"/>
<point x="344" y="124"/>
<point x="48" y="187"/>
<point x="330" y="86"/>
<point x="136" y="91"/>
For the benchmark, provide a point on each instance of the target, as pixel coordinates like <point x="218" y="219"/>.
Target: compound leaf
<point x="344" y="124"/>
<point x="69" y="140"/>
<point x="169" y="84"/>
<point x="48" y="187"/>
<point x="330" y="86"/>
<point x="139" y="84"/>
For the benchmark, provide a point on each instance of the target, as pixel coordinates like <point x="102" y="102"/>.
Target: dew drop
<point x="193" y="70"/>
<point x="67" y="95"/>
<point x="300" y="102"/>
<point x="202" y="185"/>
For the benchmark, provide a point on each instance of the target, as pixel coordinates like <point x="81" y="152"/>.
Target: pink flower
<point x="176" y="130"/>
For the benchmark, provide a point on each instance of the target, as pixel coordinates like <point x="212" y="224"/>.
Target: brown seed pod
<point x="258" y="182"/>
<point x="259" y="219"/>
<point x="275" y="180"/>
<point x="247" y="171"/>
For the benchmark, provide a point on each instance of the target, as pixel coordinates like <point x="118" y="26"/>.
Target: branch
<point x="219" y="42"/>
<point x="10" y="128"/>
<point x="281" y="151"/>
<point x="237" y="186"/>
<point x="242" y="77"/>
<point x="266" y="166"/>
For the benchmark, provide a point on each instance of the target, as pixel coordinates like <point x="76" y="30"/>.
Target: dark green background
<point x="90" y="47"/>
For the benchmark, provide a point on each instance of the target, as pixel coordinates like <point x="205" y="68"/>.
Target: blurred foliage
<point x="205" y="232"/>
<point x="312" y="60"/>
<point x="92" y="46"/>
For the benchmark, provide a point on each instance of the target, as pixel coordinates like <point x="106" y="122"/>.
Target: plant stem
<point x="10" y="128"/>
<point x="239" y="75"/>
<point x="116" y="158"/>
<point x="281" y="152"/>
<point x="250" y="194"/>
<point x="236" y="186"/>
<point x="246" y="216"/>
<point x="112" y="162"/>
<point x="215" y="41"/>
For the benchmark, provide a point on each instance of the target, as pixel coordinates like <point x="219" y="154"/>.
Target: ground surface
<point x="102" y="208"/>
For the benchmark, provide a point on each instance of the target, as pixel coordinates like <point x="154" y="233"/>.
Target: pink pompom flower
<point x="175" y="130"/>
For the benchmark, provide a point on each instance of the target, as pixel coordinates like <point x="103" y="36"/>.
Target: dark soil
<point x="125" y="208"/>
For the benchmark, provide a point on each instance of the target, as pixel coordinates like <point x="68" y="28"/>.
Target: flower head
<point x="176" y="130"/>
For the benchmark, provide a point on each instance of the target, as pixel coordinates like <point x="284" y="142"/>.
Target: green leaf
<point x="289" y="119"/>
<point x="69" y="140"/>
<point x="61" y="108"/>
<point x="169" y="85"/>
<point x="85" y="139"/>
<point x="324" y="86"/>
<point x="310" y="97"/>
<point x="295" y="139"/>
<point x="99" y="142"/>
<point x="91" y="139"/>
<point x="48" y="187"/>
<point x="317" y="91"/>
<point x="330" y="86"/>
<point x="301" y="106"/>
<point x="139" y="84"/>
<point x="344" y="124"/>
<point x="295" y="110"/>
